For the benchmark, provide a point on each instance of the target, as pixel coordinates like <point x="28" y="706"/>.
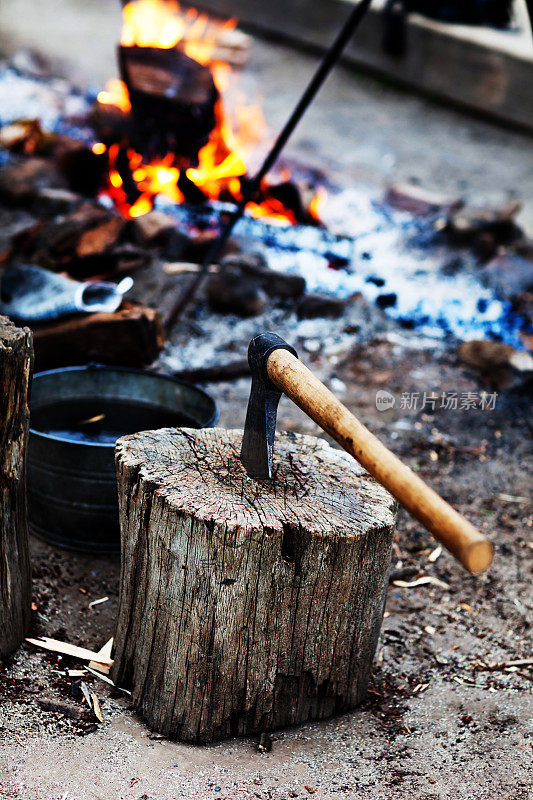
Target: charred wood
<point x="173" y="100"/>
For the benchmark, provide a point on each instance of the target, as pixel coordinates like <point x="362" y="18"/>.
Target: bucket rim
<point x="213" y="419"/>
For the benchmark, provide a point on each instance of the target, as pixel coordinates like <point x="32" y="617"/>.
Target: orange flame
<point x="222" y="161"/>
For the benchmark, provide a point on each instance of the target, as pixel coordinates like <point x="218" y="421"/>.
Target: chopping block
<point x="245" y="605"/>
<point x="254" y="565"/>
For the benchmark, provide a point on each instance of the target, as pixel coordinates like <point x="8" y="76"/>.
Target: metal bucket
<point x="72" y="489"/>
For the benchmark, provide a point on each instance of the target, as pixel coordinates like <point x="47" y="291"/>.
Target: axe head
<point x="260" y="426"/>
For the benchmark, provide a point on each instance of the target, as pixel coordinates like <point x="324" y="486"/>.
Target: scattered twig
<point x="509" y="498"/>
<point x="419" y="688"/>
<point x="481" y="666"/>
<point x="94" y="603"/>
<point x="186" y="267"/>
<point x="421" y="582"/>
<point x="463" y="682"/>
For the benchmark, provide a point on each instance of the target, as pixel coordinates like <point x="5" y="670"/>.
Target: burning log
<point x="16" y="359"/>
<point x="130" y="337"/>
<point x="173" y="100"/>
<point x="245" y="607"/>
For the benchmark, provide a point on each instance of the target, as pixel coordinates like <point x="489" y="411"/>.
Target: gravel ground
<point x="436" y="724"/>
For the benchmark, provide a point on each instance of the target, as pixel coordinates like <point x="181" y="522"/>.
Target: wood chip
<point x="463" y="682"/>
<point x="421" y="582"/>
<point x="435" y="554"/>
<point x="86" y="693"/>
<point x="70" y="650"/>
<point x="96" y="707"/>
<point x="103" y="655"/>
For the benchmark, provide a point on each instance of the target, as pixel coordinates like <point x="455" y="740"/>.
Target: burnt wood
<point x="245" y="606"/>
<point x="173" y="100"/>
<point x="16" y="361"/>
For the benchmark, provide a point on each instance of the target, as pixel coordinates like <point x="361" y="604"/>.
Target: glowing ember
<point x="222" y="161"/>
<point x="115" y="94"/>
<point x="317" y="203"/>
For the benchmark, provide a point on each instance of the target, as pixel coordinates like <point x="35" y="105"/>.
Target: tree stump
<point x="16" y="361"/>
<point x="244" y="605"/>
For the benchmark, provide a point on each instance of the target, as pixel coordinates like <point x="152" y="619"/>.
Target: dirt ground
<point x="437" y="724"/>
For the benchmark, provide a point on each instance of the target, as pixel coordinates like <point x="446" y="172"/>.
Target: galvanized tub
<point x="72" y="490"/>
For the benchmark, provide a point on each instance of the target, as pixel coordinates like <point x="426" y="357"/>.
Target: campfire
<point x="177" y="126"/>
<point x="149" y="171"/>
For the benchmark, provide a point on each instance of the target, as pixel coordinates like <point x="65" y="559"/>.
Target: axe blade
<point x="260" y="427"/>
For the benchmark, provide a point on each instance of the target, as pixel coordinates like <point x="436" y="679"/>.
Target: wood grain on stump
<point x="245" y="605"/>
<point x="16" y="357"/>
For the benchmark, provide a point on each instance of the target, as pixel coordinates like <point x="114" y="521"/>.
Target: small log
<point x="87" y="232"/>
<point x="20" y="180"/>
<point x="16" y="361"/>
<point x="173" y="100"/>
<point x="216" y="373"/>
<point x="130" y="337"/>
<point x="245" y="606"/>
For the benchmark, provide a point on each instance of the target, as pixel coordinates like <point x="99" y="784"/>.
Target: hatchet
<point x="276" y="370"/>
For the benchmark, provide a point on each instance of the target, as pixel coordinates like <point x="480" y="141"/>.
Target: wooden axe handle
<point x="454" y="532"/>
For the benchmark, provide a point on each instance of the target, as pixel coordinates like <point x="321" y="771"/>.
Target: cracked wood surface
<point x="16" y="360"/>
<point x="246" y="606"/>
